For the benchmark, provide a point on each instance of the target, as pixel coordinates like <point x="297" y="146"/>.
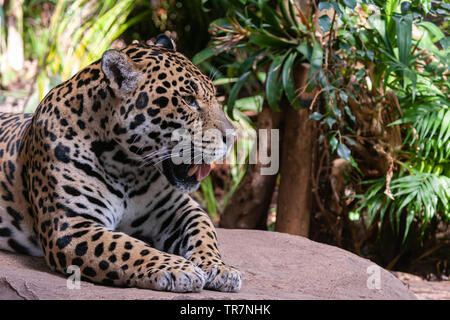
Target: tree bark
<point x="295" y="198"/>
<point x="249" y="204"/>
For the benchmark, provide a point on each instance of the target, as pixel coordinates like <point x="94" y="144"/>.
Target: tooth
<point x="193" y="170"/>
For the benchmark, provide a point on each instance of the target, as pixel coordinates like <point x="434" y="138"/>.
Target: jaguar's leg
<point x="190" y="233"/>
<point x="114" y="258"/>
<point x="200" y="246"/>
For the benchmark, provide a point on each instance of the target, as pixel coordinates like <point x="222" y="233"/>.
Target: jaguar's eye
<point x="191" y="101"/>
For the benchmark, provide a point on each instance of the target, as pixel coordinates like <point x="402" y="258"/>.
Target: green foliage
<point x="266" y="48"/>
<point x="414" y="69"/>
<point x="66" y="35"/>
<point x="208" y="193"/>
<point x="265" y="40"/>
<point x="78" y="33"/>
<point x="413" y="193"/>
<point x="382" y="70"/>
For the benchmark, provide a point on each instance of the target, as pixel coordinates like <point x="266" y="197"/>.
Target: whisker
<point x="159" y="160"/>
<point x="156" y="152"/>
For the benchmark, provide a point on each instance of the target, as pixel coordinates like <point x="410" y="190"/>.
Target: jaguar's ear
<point x="165" y="41"/>
<point x="121" y="71"/>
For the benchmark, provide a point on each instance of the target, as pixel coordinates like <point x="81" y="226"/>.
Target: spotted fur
<point x="76" y="187"/>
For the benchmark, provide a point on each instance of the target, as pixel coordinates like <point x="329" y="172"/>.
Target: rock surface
<point x="424" y="289"/>
<point x="273" y="265"/>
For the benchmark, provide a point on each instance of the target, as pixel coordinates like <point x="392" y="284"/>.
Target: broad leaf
<point x="204" y="55"/>
<point x="273" y="87"/>
<point x="288" y="80"/>
<point x="350" y="3"/>
<point x="325" y="23"/>
<point x="315" y="64"/>
<point x="343" y="151"/>
<point x="316" y="116"/>
<point x="234" y="93"/>
<point x="433" y="30"/>
<point x="267" y="41"/>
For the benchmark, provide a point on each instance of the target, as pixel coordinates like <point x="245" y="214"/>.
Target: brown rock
<point x="424" y="289"/>
<point x="273" y="265"/>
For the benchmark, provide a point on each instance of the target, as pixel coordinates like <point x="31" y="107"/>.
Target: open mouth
<point x="185" y="176"/>
<point x="200" y="171"/>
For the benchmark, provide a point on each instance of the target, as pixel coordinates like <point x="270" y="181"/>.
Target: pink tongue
<point x="202" y="172"/>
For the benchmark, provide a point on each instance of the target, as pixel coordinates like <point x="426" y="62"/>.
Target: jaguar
<point x="89" y="180"/>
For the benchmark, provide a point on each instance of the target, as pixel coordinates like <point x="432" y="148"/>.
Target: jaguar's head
<point x="167" y="115"/>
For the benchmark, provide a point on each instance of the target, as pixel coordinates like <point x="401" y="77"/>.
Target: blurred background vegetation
<point x="358" y="88"/>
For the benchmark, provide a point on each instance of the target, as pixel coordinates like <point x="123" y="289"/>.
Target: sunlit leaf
<point x="390" y="6"/>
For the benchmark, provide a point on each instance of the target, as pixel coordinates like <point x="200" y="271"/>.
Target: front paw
<point x="187" y="279"/>
<point x="222" y="278"/>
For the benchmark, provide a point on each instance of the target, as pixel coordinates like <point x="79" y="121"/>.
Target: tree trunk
<point x="249" y="204"/>
<point x="295" y="198"/>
